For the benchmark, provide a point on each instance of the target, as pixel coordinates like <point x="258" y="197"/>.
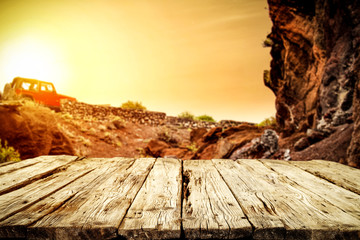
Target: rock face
<point x="315" y="65"/>
<point x="262" y="147"/>
<point x="33" y="131"/>
<point x="330" y="148"/>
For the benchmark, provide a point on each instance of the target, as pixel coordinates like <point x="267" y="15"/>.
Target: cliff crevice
<point x="315" y="66"/>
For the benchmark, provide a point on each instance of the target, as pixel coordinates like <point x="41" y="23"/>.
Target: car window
<point x="50" y="88"/>
<point x="29" y="86"/>
<point x="46" y="87"/>
<point x="26" y="85"/>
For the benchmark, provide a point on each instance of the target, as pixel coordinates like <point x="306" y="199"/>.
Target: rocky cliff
<point x="32" y="130"/>
<point x="315" y="67"/>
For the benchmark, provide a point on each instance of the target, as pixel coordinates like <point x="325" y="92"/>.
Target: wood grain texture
<point x="22" y="198"/>
<point x="156" y="210"/>
<point x="9" y="167"/>
<point x="6" y="163"/>
<point x="96" y="212"/>
<point x="339" y="174"/>
<point x="19" y="177"/>
<point x="209" y="208"/>
<point x="248" y="190"/>
<point x="63" y="197"/>
<point x="305" y="212"/>
<point x="343" y="199"/>
<point x="15" y="226"/>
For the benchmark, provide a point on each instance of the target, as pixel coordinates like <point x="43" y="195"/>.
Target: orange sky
<point x="202" y="56"/>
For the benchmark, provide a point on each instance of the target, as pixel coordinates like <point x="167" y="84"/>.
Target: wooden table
<point x="65" y="197"/>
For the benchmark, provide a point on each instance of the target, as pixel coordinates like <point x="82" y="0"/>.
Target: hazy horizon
<point x="201" y="56"/>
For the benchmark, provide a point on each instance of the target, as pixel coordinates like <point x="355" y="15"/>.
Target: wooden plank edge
<point x="76" y="232"/>
<point x="131" y="232"/>
<point x="150" y="234"/>
<point x="103" y="232"/>
<point x="27" y="163"/>
<point x="39" y="176"/>
<point x="205" y="233"/>
<point x="7" y="163"/>
<point x="43" y="197"/>
<point x="323" y="176"/>
<point x="243" y="233"/>
<point x="257" y="233"/>
<point x="159" y="233"/>
<point x="20" y="231"/>
<point x="324" y="233"/>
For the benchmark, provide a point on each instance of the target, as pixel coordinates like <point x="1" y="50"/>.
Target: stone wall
<point x="102" y="112"/>
<point x="150" y="118"/>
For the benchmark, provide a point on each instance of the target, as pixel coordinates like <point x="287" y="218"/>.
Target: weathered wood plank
<point x="343" y="199"/>
<point x="23" y="176"/>
<point x="95" y="213"/>
<point x="156" y="210"/>
<point x="13" y="166"/>
<point x="15" y="226"/>
<point x="22" y="198"/>
<point x="209" y="208"/>
<point x="304" y="213"/>
<point x="248" y="189"/>
<point x="339" y="174"/>
<point x="6" y="163"/>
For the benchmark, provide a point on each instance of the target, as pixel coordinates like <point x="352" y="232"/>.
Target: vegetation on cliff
<point x="8" y="153"/>
<point x="189" y="116"/>
<point x="133" y="105"/>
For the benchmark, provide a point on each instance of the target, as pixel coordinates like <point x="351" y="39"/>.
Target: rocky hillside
<point x="315" y="72"/>
<point x="104" y="131"/>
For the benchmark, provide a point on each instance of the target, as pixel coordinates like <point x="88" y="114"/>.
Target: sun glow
<point x="205" y="57"/>
<point x="32" y="58"/>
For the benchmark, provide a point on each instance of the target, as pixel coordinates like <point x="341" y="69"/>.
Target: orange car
<point x="38" y="91"/>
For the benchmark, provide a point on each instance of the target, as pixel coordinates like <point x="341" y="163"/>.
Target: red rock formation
<point x="33" y="131"/>
<point x="315" y="65"/>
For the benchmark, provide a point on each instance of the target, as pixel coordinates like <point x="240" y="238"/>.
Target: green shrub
<point x="266" y="77"/>
<point x="133" y="105"/>
<point x="268" y="42"/>
<point x="8" y="153"/>
<point x="205" y="117"/>
<point x="267" y="122"/>
<point x="186" y="115"/>
<point x="193" y="147"/>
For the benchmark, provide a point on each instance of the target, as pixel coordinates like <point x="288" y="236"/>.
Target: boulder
<point x="269" y="140"/>
<point x="301" y="144"/>
<point x="332" y="148"/>
<point x="197" y="134"/>
<point x="212" y="135"/>
<point x="174" y="152"/>
<point x="155" y="147"/>
<point x="264" y="146"/>
<point x="33" y="131"/>
<point x="118" y="124"/>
